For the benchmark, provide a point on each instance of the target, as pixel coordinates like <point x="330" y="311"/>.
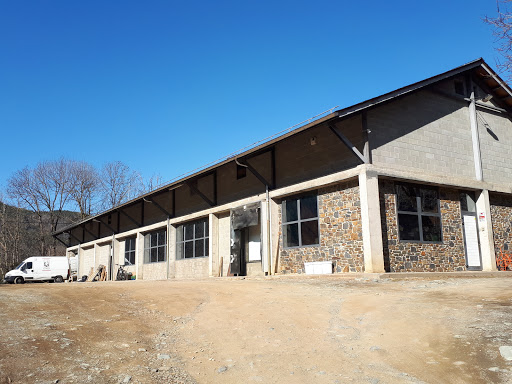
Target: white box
<point x="318" y="268"/>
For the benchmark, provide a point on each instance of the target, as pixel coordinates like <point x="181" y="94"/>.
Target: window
<point x="192" y="240"/>
<point x="155" y="245"/>
<point x="129" y="251"/>
<point x="419" y="217"/>
<point x="467" y="202"/>
<point x="300" y="221"/>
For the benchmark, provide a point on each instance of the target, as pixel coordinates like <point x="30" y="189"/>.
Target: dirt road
<point x="279" y="330"/>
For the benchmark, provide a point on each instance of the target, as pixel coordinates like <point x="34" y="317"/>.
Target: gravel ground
<point x="295" y="329"/>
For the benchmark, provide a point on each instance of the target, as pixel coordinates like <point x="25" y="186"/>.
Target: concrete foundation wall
<point x="155" y="271"/>
<point x="192" y="268"/>
<point x="423" y="132"/>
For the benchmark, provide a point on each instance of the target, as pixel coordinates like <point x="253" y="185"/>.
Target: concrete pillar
<point x="371" y="223"/>
<point x="265" y="224"/>
<point x="213" y="245"/>
<point x="117" y="256"/>
<point x="139" y="256"/>
<point x="275" y="228"/>
<point x="483" y="209"/>
<point x="96" y="256"/>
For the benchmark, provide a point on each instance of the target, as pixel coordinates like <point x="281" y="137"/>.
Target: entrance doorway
<point x="245" y="258"/>
<point x="470" y="225"/>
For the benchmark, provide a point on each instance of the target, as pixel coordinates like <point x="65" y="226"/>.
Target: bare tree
<point x="502" y="30"/>
<point x="84" y="187"/>
<point x="118" y="184"/>
<point x="45" y="190"/>
<point x="150" y="184"/>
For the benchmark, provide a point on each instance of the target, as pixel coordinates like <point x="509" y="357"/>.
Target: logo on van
<point x="46" y="265"/>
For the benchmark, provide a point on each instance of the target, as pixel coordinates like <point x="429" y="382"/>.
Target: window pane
<point x="309" y="232"/>
<point x="406" y="196"/>
<point x="154" y="256"/>
<point x="308" y="208"/>
<point x="199" y="251"/>
<point x="161" y="253"/>
<point x="199" y="229"/>
<point x="154" y="239"/>
<point x="162" y="238"/>
<point x="290" y="210"/>
<point x="189" y="231"/>
<point x="206" y="227"/>
<point x="291" y="235"/>
<point x="408" y="227"/>
<point x="189" y="249"/>
<point x="428" y="200"/>
<point x="179" y="251"/>
<point x="467" y="202"/>
<point x="206" y="247"/>
<point x="431" y="228"/>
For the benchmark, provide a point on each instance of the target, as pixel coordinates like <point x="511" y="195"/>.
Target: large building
<point x="415" y="180"/>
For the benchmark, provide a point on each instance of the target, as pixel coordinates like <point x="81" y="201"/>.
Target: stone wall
<point x="501" y="216"/>
<point x="341" y="238"/>
<point x="402" y="256"/>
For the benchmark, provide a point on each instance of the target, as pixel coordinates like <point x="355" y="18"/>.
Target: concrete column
<point x="483" y="209"/>
<point x="213" y="245"/>
<point x="275" y="228"/>
<point x="371" y="224"/>
<point x="96" y="256"/>
<point x="264" y="236"/>
<point x="139" y="256"/>
<point x="475" y="138"/>
<point x="171" y="251"/>
<point x="117" y="256"/>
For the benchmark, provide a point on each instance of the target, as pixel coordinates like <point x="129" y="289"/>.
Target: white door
<point x="471" y="242"/>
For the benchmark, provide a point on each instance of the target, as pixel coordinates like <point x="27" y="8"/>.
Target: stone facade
<point x="403" y="256"/>
<point x="341" y="238"/>
<point x="501" y="216"/>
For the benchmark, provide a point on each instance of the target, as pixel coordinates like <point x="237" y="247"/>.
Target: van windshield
<point x="21" y="265"/>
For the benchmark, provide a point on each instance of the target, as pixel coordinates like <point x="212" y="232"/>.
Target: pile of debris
<point x="99" y="275"/>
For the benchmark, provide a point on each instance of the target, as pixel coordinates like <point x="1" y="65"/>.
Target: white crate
<point x="318" y="268"/>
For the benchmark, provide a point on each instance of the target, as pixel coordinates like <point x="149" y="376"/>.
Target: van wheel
<point x="19" y="280"/>
<point x="58" y="279"/>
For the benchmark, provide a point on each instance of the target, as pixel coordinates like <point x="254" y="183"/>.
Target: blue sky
<point x="167" y="86"/>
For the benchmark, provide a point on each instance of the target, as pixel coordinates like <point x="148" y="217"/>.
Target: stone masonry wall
<point x="341" y="238"/>
<point x="402" y="256"/>
<point x="501" y="216"/>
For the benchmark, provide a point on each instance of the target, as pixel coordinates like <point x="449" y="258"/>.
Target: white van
<point x="38" y="268"/>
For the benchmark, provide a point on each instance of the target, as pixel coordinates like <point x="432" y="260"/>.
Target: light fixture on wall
<point x="312" y="141"/>
<point x="487" y="98"/>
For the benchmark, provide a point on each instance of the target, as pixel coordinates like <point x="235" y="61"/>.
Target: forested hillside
<point x="21" y="235"/>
